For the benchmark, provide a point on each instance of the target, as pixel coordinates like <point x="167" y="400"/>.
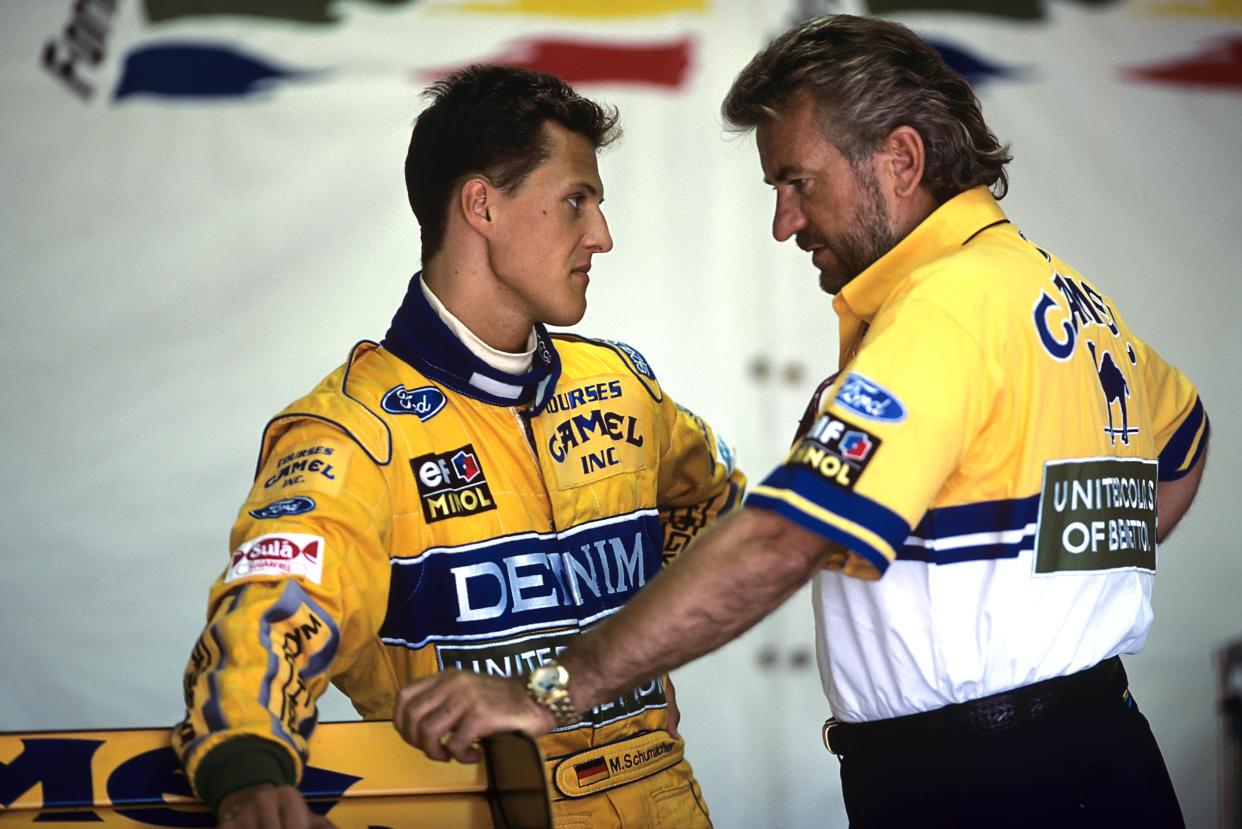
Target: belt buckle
<point x="829" y="724"/>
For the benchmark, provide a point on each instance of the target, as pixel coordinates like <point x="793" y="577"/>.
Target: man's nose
<point x="787" y="220"/>
<point x="599" y="239"/>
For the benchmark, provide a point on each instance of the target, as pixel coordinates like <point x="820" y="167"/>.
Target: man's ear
<point x="904" y="158"/>
<point x="475" y="203"/>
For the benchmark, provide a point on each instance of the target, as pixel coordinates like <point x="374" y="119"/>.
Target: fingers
<point x="250" y="808"/>
<point x="432" y="714"/>
<point x="446" y="714"/>
<point x="265" y="806"/>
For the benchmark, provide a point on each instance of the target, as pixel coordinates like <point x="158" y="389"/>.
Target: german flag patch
<point x="592" y="771"/>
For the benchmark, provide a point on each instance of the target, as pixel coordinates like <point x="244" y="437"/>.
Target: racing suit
<point x="420" y="509"/>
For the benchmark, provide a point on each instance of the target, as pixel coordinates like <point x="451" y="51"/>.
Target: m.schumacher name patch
<point x="836" y="450"/>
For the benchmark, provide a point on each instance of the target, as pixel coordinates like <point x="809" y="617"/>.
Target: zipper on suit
<point x="523" y="416"/>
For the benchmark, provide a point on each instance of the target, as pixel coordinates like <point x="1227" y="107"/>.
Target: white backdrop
<point x="178" y="266"/>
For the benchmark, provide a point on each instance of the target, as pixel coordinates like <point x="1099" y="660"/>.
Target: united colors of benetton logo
<point x="424" y="401"/>
<point x="451" y="484"/>
<point x="1097" y="514"/>
<point x="869" y="399"/>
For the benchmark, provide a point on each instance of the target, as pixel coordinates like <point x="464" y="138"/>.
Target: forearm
<point x="1173" y="498"/>
<point x="730" y="577"/>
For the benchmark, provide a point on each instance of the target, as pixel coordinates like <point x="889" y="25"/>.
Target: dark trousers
<point x="1096" y="767"/>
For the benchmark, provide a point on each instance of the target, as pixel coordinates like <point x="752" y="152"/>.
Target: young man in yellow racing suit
<point x="471" y="493"/>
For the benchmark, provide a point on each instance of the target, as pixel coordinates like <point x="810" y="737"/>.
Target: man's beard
<point x="867" y="240"/>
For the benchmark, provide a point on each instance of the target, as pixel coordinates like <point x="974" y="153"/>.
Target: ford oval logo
<point x="424" y="401"/>
<point x="296" y="505"/>
<point x="640" y="362"/>
<point x="871" y="400"/>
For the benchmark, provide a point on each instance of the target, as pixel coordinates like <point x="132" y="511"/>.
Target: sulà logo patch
<point x="424" y="401"/>
<point x="278" y="554"/>
<point x="835" y="450"/>
<point x="296" y="505"/>
<point x="869" y="399"/>
<point x="451" y="484"/>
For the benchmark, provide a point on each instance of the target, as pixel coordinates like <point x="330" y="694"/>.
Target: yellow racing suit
<point x="421" y="510"/>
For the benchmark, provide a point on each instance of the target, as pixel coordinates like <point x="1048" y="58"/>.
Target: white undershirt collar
<point x="505" y="361"/>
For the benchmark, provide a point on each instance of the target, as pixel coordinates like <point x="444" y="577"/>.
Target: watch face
<point x="546" y="678"/>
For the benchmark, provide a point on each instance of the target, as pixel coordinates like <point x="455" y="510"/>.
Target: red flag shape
<point x="579" y="62"/>
<point x="1220" y="65"/>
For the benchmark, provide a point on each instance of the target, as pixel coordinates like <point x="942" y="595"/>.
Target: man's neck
<point x="510" y="362"/>
<point x="469" y="294"/>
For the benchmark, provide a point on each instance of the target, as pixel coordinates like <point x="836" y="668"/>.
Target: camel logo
<point x="1116" y="390"/>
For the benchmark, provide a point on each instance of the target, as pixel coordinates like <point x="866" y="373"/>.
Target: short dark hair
<point x="488" y="120"/>
<point x="868" y="77"/>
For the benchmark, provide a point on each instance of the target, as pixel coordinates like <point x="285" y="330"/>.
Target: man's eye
<point x="575" y="202"/>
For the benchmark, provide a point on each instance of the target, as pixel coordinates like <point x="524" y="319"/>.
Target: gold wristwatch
<point x="548" y="685"/>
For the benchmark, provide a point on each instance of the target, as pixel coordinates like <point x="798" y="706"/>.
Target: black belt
<point x="1091" y="690"/>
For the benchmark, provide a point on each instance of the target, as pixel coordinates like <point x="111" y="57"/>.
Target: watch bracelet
<point x="560" y="706"/>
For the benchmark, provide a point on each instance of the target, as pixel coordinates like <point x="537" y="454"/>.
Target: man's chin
<point x="832" y="283"/>
<point x="568" y="317"/>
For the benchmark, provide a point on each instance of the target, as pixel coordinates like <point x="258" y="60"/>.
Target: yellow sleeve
<point x="1178" y="414"/>
<point x="697" y="481"/>
<point x="304" y="590"/>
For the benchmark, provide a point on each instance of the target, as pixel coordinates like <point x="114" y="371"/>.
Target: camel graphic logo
<point x="1116" y="390"/>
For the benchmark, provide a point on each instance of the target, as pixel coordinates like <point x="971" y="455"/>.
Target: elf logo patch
<point x="451" y="484"/>
<point x="836" y="450"/>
